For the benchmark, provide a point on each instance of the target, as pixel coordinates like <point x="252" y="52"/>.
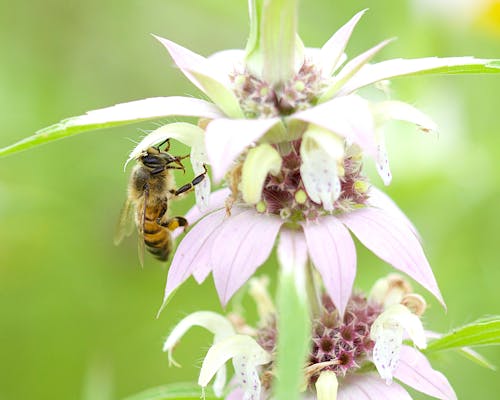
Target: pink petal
<point x="227" y="61"/>
<point x="193" y="251"/>
<point x="216" y="201"/>
<point x="400" y="67"/>
<point x="333" y="253"/>
<point x="394" y="242"/>
<point x="205" y="76"/>
<point x="236" y="394"/>
<point x="243" y="244"/>
<point x="349" y="117"/>
<point x="332" y="51"/>
<point x="379" y="199"/>
<point x="415" y="370"/>
<point x="292" y="252"/>
<point x="155" y="107"/>
<point x="370" y="387"/>
<point x="189" y="62"/>
<point x="226" y="139"/>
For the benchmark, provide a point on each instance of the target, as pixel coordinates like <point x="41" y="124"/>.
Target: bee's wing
<point x="125" y="224"/>
<point x="141" y="218"/>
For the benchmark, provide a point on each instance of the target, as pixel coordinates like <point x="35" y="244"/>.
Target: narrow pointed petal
<point x="120" y="114"/>
<point x="193" y="252"/>
<point x="333" y="49"/>
<point x="189" y="134"/>
<point x="205" y="76"/>
<point x="292" y="256"/>
<point x="226" y="139"/>
<point x="398" y="110"/>
<point x="370" y="387"/>
<point x="332" y="252"/>
<point x="322" y="155"/>
<point x="379" y="199"/>
<point x="247" y="355"/>
<point x="404" y="67"/>
<point x="415" y="370"/>
<point x="243" y="244"/>
<point x="259" y="162"/>
<point x="394" y="242"/>
<point x="349" y="117"/>
<point x="350" y="69"/>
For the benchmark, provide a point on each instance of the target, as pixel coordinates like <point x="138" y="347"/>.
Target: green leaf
<point x="177" y="391"/>
<point x="485" y="331"/>
<point x="293" y="316"/>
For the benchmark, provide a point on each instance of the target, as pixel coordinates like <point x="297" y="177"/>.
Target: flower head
<point x="344" y="353"/>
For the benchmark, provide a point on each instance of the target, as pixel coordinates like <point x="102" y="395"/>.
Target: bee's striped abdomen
<point x="157" y="239"/>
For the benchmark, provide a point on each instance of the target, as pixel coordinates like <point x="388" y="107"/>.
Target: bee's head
<point x="155" y="159"/>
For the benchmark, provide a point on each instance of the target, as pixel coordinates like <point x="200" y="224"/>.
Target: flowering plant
<point x="287" y="132"/>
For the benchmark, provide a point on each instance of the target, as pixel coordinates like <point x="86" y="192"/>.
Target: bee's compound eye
<point x="151" y="161"/>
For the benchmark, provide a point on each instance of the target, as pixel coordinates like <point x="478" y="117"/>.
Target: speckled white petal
<point x="226" y="139"/>
<point x="394" y="242"/>
<point x="400" y="67"/>
<point x="322" y="153"/>
<point x="206" y="76"/>
<point x="349" y="117"/>
<point x="415" y="370"/>
<point x="247" y="356"/>
<point x="332" y="51"/>
<point x="382" y="158"/>
<point x="332" y="252"/>
<point x="243" y="244"/>
<point x="370" y="387"/>
<point x="387" y="332"/>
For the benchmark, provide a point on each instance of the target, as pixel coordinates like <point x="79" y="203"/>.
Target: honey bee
<point x="150" y="188"/>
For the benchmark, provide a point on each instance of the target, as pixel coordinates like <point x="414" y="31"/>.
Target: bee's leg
<point x="173" y="223"/>
<point x="166" y="142"/>
<point x="189" y="186"/>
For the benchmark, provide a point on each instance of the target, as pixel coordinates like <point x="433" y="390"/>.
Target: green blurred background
<point x="77" y="315"/>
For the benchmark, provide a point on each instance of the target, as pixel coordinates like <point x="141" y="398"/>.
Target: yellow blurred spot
<point x="489" y="19"/>
<point x="261" y="207"/>
<point x="300" y="197"/>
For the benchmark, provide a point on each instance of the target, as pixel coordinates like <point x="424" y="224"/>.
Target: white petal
<point x="370" y="387"/>
<point x="350" y="69"/>
<point x="321" y="152"/>
<point x="226" y="139"/>
<point x="188" y="134"/>
<point x="259" y="162"/>
<point x="398" y="110"/>
<point x="202" y="189"/>
<point x="327" y="386"/>
<point x="140" y="110"/>
<point x="213" y="322"/>
<point x="247" y="355"/>
<point x="333" y="49"/>
<point x="387" y="332"/>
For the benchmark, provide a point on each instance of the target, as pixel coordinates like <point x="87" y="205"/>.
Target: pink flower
<point x="232" y="248"/>
<point x="344" y="350"/>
